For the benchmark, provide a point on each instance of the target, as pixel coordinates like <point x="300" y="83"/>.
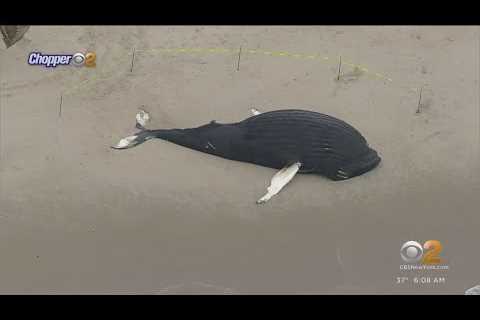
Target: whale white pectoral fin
<point x="126" y="142"/>
<point x="142" y="118"/>
<point x="255" y="111"/>
<point x="280" y="180"/>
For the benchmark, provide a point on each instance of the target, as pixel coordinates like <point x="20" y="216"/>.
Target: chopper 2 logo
<point x="53" y="60"/>
<point x="428" y="254"/>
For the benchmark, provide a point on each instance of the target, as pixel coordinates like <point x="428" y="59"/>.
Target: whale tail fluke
<point x="142" y="118"/>
<point x="134" y="140"/>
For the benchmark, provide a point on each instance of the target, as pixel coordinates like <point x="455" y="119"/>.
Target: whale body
<point x="322" y="144"/>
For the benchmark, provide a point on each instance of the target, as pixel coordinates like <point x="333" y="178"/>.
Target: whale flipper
<point x="255" y="112"/>
<point x="280" y="180"/>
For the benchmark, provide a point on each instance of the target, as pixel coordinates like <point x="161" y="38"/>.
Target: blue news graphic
<point x="49" y="60"/>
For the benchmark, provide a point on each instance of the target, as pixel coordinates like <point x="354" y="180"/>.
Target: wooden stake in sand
<point x="60" y="106"/>
<point x="419" y="100"/>
<point x="239" y="55"/>
<point x="339" y="68"/>
<point x="133" y="59"/>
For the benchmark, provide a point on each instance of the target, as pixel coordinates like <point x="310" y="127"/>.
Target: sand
<point x="79" y="217"/>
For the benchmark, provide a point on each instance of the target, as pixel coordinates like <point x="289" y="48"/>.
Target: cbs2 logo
<point x="89" y="59"/>
<point x="412" y="252"/>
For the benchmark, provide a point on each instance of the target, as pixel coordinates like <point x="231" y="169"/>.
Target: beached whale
<point x="291" y="140"/>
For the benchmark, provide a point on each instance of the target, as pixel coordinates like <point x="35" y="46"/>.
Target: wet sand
<point x="79" y="217"/>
